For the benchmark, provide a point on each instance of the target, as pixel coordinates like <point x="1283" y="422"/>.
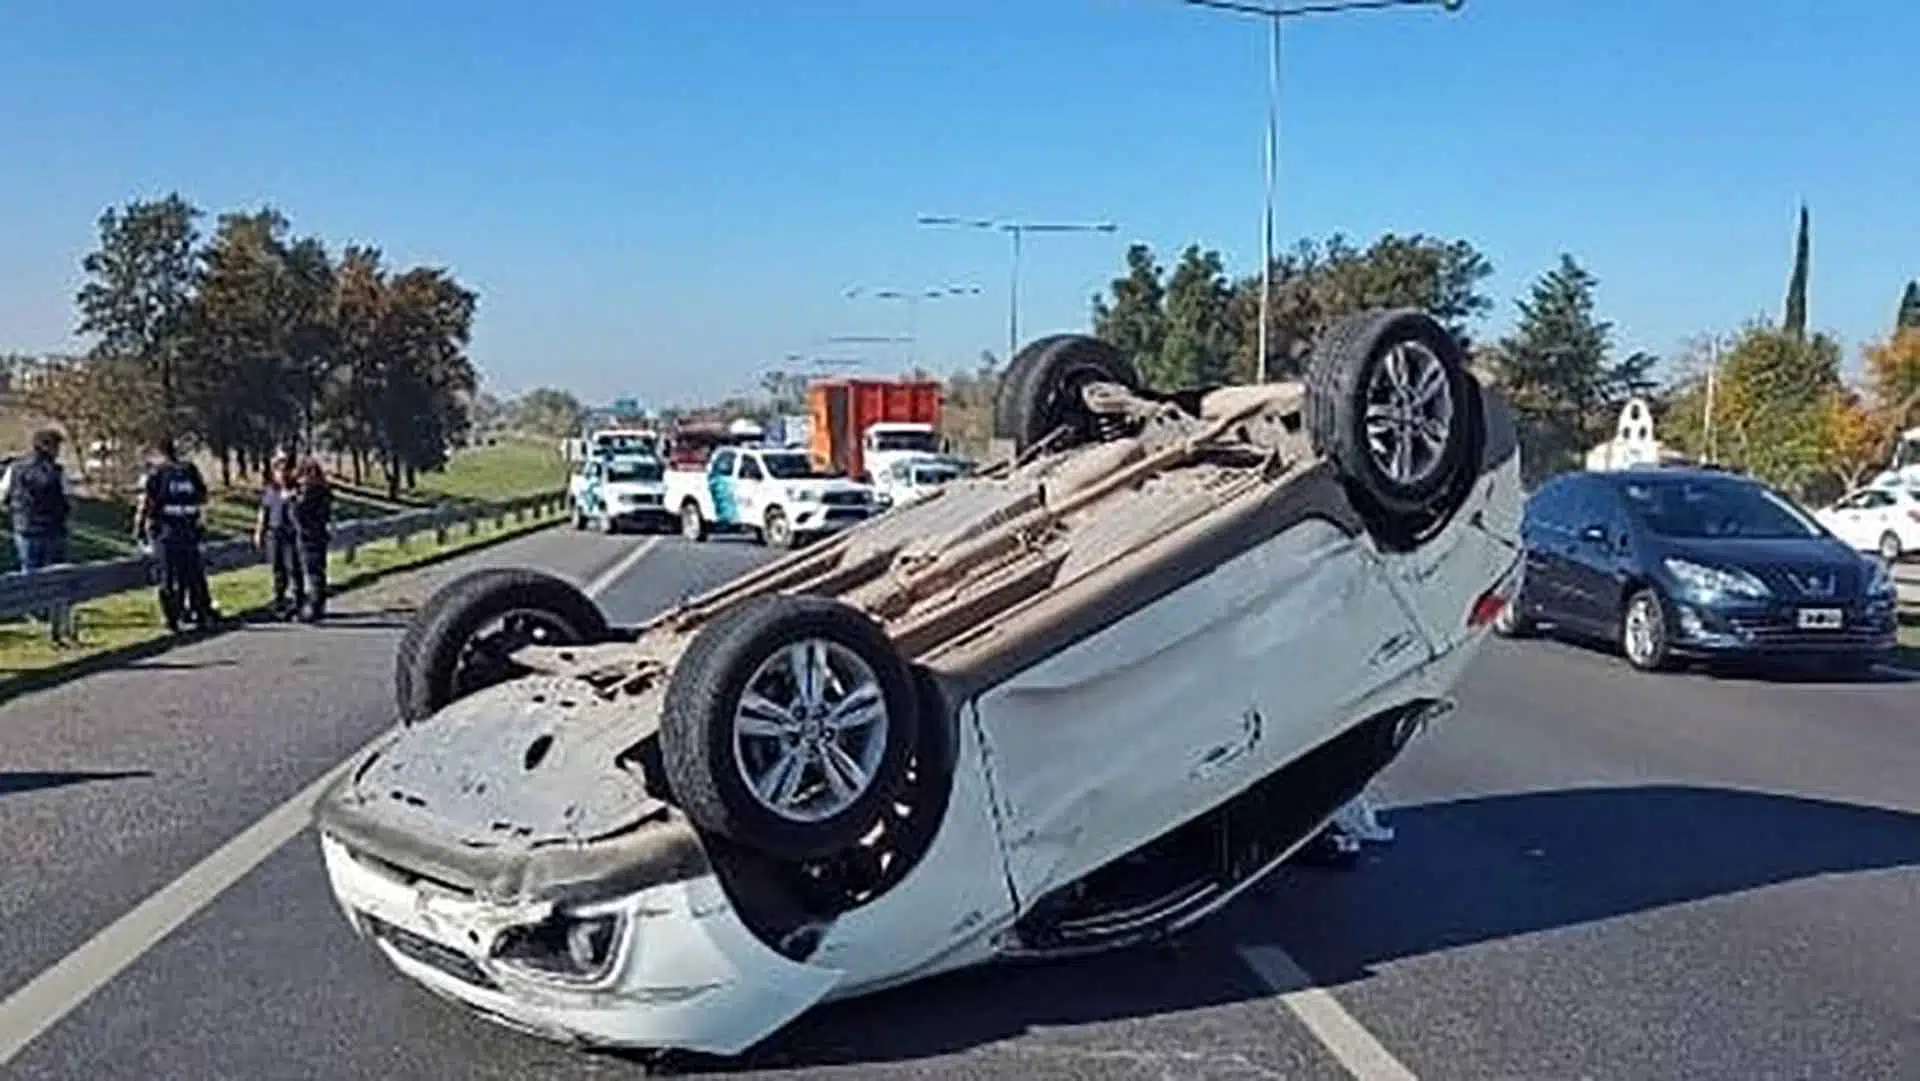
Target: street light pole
<point x="1016" y="230"/>
<point x="913" y="297"/>
<point x="1273" y="15"/>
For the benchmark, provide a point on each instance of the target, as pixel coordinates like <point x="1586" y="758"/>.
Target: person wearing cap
<point x="34" y="491"/>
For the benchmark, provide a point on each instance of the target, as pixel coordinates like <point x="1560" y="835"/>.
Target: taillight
<point x="1487" y="606"/>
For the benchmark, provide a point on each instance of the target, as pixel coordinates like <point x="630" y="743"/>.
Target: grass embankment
<point x="129" y="624"/>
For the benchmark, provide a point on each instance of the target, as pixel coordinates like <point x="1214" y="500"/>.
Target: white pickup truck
<point x="772" y="493"/>
<point x="620" y="490"/>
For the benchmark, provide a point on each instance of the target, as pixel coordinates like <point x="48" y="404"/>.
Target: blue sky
<point x="663" y="200"/>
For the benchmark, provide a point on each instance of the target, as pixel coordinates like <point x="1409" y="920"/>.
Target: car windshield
<point x="787" y="466"/>
<point x="926" y="441"/>
<point x="1702" y="507"/>
<point x="641" y="469"/>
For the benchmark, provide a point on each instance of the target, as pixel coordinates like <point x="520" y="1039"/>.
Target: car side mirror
<point x="1594" y="534"/>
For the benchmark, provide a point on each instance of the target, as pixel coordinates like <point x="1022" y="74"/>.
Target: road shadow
<point x="1782" y="669"/>
<point x="15" y="782"/>
<point x="1458" y="873"/>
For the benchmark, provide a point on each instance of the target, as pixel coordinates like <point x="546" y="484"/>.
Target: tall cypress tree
<point x="1909" y="317"/>
<point x="1796" y="321"/>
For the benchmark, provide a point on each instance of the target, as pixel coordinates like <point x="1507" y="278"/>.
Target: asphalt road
<point x="1597" y="874"/>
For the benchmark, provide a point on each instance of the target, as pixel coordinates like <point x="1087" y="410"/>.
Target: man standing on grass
<point x="35" y="493"/>
<point x="171" y="503"/>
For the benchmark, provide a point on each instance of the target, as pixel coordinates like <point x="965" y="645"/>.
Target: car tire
<point x="759" y="775"/>
<point x="777" y="532"/>
<point x="1643" y="631"/>
<point x="579" y="519"/>
<point x="1389" y="400"/>
<point x="458" y="642"/>
<point x="1890" y="549"/>
<point x="693" y="524"/>
<point x="1041" y="389"/>
<point x="609" y="524"/>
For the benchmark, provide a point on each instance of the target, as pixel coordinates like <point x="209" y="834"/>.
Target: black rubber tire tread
<point x="696" y="723"/>
<point x="1024" y="391"/>
<point x="1335" y="385"/>
<point x="429" y="652"/>
<point x="789" y="540"/>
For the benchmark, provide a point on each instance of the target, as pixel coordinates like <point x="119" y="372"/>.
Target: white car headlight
<point x="1709" y="582"/>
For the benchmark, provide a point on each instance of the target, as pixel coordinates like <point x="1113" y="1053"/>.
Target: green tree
<point x="1908" y="317"/>
<point x="140" y="284"/>
<point x="547" y="411"/>
<point x="425" y="376"/>
<point x="1772" y="406"/>
<point x="1558" y="372"/>
<point x="1795" y="323"/>
<point x="1315" y="284"/>
<point x="238" y="380"/>
<point x="1135" y="320"/>
<point x="1201" y="331"/>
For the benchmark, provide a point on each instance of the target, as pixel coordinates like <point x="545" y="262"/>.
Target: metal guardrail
<point x="22" y="593"/>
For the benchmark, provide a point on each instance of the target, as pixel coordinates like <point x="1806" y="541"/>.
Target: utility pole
<point x="1016" y="230"/>
<point x="1273" y="15"/>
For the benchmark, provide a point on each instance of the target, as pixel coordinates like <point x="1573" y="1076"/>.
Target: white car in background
<point x="910" y="480"/>
<point x="620" y="490"/>
<point x="1880" y="519"/>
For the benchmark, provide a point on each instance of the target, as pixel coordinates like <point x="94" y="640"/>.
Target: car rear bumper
<point x="686" y="972"/>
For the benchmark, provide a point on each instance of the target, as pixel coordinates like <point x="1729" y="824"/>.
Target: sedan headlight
<point x="1709" y="582"/>
<point x="1879" y="581"/>
<point x="571" y="948"/>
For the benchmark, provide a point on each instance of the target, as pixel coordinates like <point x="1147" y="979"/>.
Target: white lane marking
<point x="49" y="996"/>
<point x="55" y="992"/>
<point x="1336" y="1029"/>
<point x="626" y="563"/>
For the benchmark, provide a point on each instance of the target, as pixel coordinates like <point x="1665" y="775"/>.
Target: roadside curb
<point x="14" y="686"/>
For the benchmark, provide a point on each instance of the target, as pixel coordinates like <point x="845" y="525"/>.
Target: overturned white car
<point x="1075" y="702"/>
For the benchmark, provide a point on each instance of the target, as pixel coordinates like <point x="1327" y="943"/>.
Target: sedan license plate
<point x="1820" y="619"/>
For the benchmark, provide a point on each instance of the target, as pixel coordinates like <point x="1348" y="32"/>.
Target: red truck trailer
<point x="842" y="411"/>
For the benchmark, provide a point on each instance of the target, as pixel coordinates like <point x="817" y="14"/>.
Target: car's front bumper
<point x="1773" y="630"/>
<point x="817" y="518"/>
<point x="686" y="972"/>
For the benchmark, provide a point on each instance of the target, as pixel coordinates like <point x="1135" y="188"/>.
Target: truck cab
<point x="887" y="443"/>
<point x="774" y="494"/>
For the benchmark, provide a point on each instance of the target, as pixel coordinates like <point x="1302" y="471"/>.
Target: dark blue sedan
<point x="1675" y="563"/>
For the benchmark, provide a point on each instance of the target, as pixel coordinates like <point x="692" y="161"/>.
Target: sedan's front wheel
<point x="1643" y="632"/>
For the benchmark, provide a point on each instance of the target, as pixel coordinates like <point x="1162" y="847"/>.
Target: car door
<point x="720" y="487"/>
<point x="1173" y="707"/>
<point x="750" y="490"/>
<point x="1545" y="535"/>
<point x="590" y="489"/>
<point x="1592" y="554"/>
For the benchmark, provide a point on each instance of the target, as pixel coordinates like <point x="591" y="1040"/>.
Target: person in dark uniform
<point x="34" y="490"/>
<point x="312" y="526"/>
<point x="273" y="534"/>
<point x="171" y="505"/>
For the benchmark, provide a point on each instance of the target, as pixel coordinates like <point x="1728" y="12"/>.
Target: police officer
<point x="34" y="490"/>
<point x="169" y="514"/>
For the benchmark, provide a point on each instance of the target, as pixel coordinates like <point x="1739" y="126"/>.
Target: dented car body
<point x="1143" y="669"/>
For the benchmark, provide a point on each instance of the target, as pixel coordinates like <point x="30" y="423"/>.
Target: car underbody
<point x="1047" y="587"/>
